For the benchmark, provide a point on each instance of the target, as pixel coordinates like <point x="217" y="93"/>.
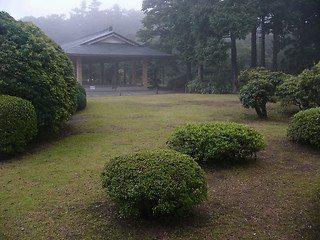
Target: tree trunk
<point x="234" y="64"/>
<point x="254" y="47"/>
<point x="264" y="111"/>
<point x="275" y="49"/>
<point x="258" y="111"/>
<point x="263" y="43"/>
<point x="261" y="111"/>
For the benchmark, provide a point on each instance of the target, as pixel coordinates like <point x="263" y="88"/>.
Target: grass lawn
<point x="53" y="190"/>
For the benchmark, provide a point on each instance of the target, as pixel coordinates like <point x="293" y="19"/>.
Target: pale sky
<point x="22" y="8"/>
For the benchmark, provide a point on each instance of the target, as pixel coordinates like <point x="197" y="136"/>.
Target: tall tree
<point x="254" y="47"/>
<point x="169" y="23"/>
<point x="210" y="47"/>
<point x="234" y="20"/>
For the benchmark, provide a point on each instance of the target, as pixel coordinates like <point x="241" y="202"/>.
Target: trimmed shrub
<point x="219" y="142"/>
<point x="256" y="94"/>
<point x="35" y="68"/>
<point x="259" y="88"/>
<point x="303" y="90"/>
<point x="310" y="87"/>
<point x="154" y="183"/>
<point x="81" y="97"/>
<point x="18" y="124"/>
<point x="275" y="78"/>
<point x="289" y="92"/>
<point x="81" y="89"/>
<point x="305" y="127"/>
<point x="81" y="101"/>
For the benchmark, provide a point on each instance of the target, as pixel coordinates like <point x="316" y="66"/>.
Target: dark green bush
<point x="218" y="142"/>
<point x="256" y="94"/>
<point x="203" y="87"/>
<point x="305" y="127"/>
<point x="81" y="89"/>
<point x="258" y="89"/>
<point x="275" y="78"/>
<point x="289" y="91"/>
<point x="154" y="183"/>
<point x="81" y="101"/>
<point x="302" y="90"/>
<point x="35" y="68"/>
<point x="81" y="97"/>
<point x="310" y="87"/>
<point x="18" y="124"/>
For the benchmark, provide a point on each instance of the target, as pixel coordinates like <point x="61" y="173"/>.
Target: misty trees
<point x="234" y="19"/>
<point x="198" y="30"/>
<point x="89" y="18"/>
<point x="285" y="34"/>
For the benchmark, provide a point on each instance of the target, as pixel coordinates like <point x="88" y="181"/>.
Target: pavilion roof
<point x="110" y="44"/>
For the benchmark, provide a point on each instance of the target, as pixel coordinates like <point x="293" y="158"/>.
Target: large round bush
<point x="35" y="68"/>
<point x="18" y="124"/>
<point x="219" y="142"/>
<point x="154" y="183"/>
<point x="305" y="127"/>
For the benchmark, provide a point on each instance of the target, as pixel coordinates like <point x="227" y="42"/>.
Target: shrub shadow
<point x="144" y="228"/>
<point x="42" y="141"/>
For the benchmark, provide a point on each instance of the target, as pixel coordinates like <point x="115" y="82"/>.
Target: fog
<point x="36" y="8"/>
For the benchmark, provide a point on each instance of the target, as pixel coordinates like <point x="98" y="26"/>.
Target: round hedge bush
<point x="18" y="124"/>
<point x="81" y="97"/>
<point x="154" y="183"/>
<point x="37" y="69"/>
<point x="81" y="101"/>
<point x="218" y="142"/>
<point x="305" y="127"/>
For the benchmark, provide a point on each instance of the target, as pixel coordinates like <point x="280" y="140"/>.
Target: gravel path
<point x="108" y="91"/>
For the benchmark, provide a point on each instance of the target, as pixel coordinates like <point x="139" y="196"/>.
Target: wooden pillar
<point x="134" y="72"/>
<point x="145" y="73"/>
<point x="79" y="70"/>
<point x="116" y="73"/>
<point x="102" y="72"/>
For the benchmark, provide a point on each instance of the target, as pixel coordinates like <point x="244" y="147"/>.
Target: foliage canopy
<point x="259" y="89"/>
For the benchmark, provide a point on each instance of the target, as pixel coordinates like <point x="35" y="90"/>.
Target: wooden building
<point x="109" y="47"/>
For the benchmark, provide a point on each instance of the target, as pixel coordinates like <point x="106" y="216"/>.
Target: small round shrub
<point x="305" y="127"/>
<point x="81" y="97"/>
<point x="154" y="183"/>
<point x="18" y="124"/>
<point x="81" y="101"/>
<point x="218" y="142"/>
<point x="81" y="89"/>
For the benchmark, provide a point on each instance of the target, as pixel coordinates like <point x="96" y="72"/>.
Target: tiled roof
<point x="110" y="44"/>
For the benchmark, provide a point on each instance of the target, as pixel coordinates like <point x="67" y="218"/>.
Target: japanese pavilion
<point x="109" y="47"/>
